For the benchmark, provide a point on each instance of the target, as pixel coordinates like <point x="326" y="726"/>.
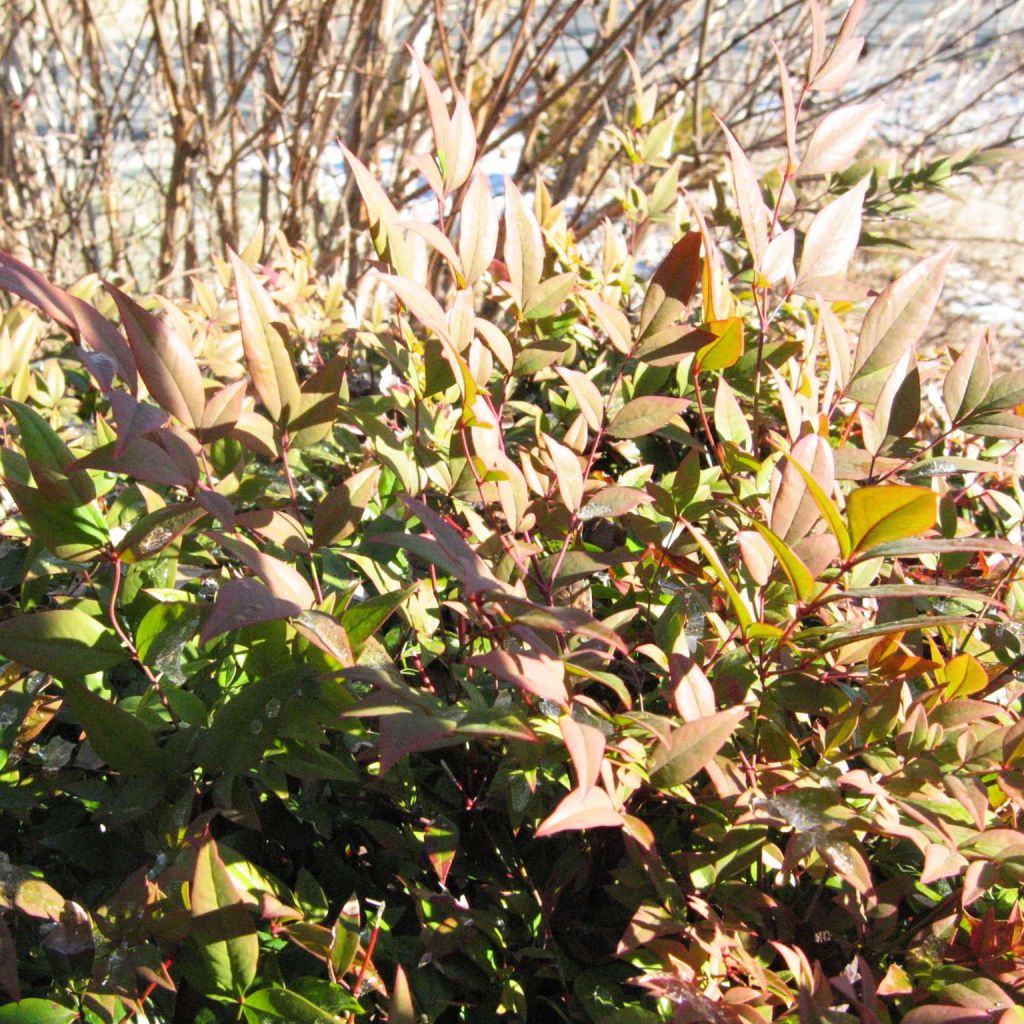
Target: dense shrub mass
<point x="560" y="641"/>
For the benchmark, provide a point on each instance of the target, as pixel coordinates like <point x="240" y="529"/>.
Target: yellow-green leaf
<point x="889" y="512"/>
<point x="65" y="643"/>
<point x="223" y="931"/>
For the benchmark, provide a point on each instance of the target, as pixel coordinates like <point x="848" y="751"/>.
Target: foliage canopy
<point x="561" y="642"/>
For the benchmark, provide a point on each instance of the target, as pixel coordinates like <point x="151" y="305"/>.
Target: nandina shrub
<point x="552" y="641"/>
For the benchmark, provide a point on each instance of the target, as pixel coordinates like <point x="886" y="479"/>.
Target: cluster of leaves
<point x="537" y="646"/>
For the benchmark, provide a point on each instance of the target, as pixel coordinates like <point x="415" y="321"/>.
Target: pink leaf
<point x="838" y="138"/>
<point x="478" y="229"/>
<point x="592" y="808"/>
<point x="524" y="247"/>
<point x="538" y="673"/>
<point x="419" y="302"/>
<point x="283" y="581"/>
<point x="241" y="603"/>
<point x="222" y="411"/>
<point x="754" y="214"/>
<point x="832" y="237"/>
<point x="586" y="748"/>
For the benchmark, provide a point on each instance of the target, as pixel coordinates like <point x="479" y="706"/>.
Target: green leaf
<point x="49" y="457"/>
<point x="943" y="546"/>
<point x="156" y="530"/>
<point x="248" y="724"/>
<point x="743" y="612"/>
<point x="117" y="736"/>
<point x="37" y="1011"/>
<point x="164" y="631"/>
<point x="1006" y="392"/>
<point x="65" y="643"/>
<point x="223" y="931"/>
<point x="345" y="936"/>
<point x="799" y="575"/>
<point x="362" y="620"/>
<point x="691" y="747"/>
<point x="889" y="512"/>
<point x="549" y="296"/>
<point x="271" y="1004"/>
<point x="327" y="995"/>
<point x="77" y="534"/>
<point x="644" y="416"/>
<point x="968" y="380"/>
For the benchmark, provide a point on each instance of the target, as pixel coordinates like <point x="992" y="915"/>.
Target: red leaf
<point x="70" y="312"/>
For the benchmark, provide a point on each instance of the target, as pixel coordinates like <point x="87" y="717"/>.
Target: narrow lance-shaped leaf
<point x="969" y="379"/>
<point x="49" y="457"/>
<point x="117" y="736"/>
<point x="78" y="533"/>
<point x="524" y="247"/>
<point x="167" y="367"/>
<point x="223" y="409"/>
<point x="134" y="419"/>
<point x="582" y="808"/>
<point x="65" y="643"/>
<point x="585" y="392"/>
<point x="381" y="212"/>
<point x="478" y="228"/>
<point x="266" y="355"/>
<point x="754" y="214"/>
<point x="798" y="574"/>
<point x="539" y="674"/>
<point x="832" y="237"/>
<point x="339" y="514"/>
<point x="568" y="473"/>
<point x="317" y="406"/>
<point x="156" y="530"/>
<point x="672" y="288"/>
<point x="725" y="347"/>
<point x="401" y="1009"/>
<point x="283" y="580"/>
<point x="838" y="138"/>
<point x="894" y="323"/>
<point x="692" y="746"/>
<point x="71" y="312"/>
<point x="642" y="416"/>
<point x="223" y="931"/>
<point x="794" y="508"/>
<point x="244" y="602"/>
